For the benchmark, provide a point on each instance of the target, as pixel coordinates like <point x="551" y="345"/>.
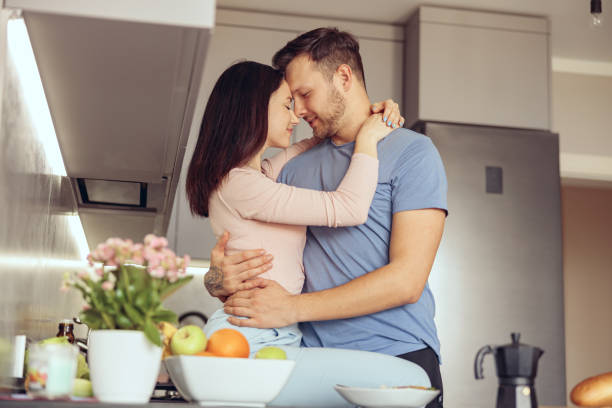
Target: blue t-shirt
<point x="411" y="176"/>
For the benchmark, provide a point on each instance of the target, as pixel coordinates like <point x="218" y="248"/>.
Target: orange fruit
<point x="228" y="343"/>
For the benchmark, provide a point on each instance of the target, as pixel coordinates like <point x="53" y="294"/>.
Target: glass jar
<point x="51" y="370"/>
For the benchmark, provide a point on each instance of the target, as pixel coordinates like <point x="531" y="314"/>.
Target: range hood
<point x="121" y="78"/>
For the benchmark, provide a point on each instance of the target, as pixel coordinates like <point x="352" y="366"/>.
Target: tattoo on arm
<point x="213" y="280"/>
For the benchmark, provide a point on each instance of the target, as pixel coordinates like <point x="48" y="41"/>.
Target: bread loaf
<point x="594" y="391"/>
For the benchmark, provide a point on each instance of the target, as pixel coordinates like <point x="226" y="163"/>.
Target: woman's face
<point x="281" y="118"/>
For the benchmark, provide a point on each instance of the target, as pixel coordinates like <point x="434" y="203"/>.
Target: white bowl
<point x="387" y="397"/>
<point x="214" y="381"/>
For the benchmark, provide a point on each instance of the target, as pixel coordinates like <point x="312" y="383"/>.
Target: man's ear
<point x="344" y="77"/>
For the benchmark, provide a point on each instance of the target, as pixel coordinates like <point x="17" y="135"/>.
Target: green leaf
<point x="124" y="282"/>
<point x="123" y="322"/>
<point x="173" y="287"/>
<point x="82" y="288"/>
<point x="120" y="295"/>
<point x="133" y="314"/>
<point x="142" y="301"/>
<point x="164" y="315"/>
<point x="96" y="296"/>
<point x="154" y="299"/>
<point x="152" y="333"/>
<point x="108" y="320"/>
<point x="113" y="306"/>
<point x="138" y="276"/>
<point x="91" y="318"/>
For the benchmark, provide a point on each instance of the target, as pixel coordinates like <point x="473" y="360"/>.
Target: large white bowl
<point x="214" y="381"/>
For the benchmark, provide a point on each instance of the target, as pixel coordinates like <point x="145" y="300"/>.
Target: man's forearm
<point x="381" y="289"/>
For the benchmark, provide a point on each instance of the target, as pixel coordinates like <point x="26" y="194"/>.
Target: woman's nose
<point x="294" y="119"/>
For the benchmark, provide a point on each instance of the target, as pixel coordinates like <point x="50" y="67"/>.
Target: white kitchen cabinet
<point x="477" y="67"/>
<point x="243" y="35"/>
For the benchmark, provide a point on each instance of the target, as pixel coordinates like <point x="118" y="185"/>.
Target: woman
<point x="248" y="111"/>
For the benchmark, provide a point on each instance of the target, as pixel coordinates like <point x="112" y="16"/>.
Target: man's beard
<point x="330" y="124"/>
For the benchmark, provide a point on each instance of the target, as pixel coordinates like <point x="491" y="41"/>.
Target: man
<point x="366" y="286"/>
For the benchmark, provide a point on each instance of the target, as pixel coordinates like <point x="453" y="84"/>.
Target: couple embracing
<point x="348" y="222"/>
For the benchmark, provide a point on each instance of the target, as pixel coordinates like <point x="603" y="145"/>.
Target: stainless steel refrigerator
<point x="499" y="266"/>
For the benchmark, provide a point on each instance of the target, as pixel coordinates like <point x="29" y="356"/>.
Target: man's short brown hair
<point x="327" y="47"/>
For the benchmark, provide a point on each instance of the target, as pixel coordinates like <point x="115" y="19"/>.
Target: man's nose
<point x="299" y="108"/>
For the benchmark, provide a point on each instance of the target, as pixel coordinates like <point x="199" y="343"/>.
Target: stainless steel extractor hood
<point x="121" y="78"/>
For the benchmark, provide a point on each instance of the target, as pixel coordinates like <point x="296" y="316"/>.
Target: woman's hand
<point x="230" y="273"/>
<point x="267" y="306"/>
<point x="373" y="128"/>
<point x="391" y="114"/>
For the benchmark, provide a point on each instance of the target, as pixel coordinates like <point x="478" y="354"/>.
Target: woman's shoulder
<point x="239" y="180"/>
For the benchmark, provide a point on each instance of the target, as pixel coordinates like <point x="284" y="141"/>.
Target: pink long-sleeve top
<point x="258" y="212"/>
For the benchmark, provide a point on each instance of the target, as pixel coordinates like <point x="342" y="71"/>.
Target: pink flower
<point x="172" y="275"/>
<point x="86" y="307"/>
<point x="83" y="275"/>
<point x="138" y="254"/>
<point x="108" y="285"/>
<point x="153" y="257"/>
<point x="99" y="271"/>
<point x="155" y="242"/>
<point x="159" y="242"/>
<point x="108" y="252"/>
<point x="157" y="272"/>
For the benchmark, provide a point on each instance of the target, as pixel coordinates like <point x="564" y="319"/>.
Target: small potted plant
<point x="123" y="292"/>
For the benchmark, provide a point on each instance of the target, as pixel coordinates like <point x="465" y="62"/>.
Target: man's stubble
<point x="330" y="124"/>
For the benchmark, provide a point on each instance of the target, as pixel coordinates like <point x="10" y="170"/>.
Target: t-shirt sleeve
<point x="419" y="179"/>
<point x="254" y="196"/>
<point x="272" y="166"/>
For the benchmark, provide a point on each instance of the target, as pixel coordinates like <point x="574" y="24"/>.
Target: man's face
<point x="317" y="100"/>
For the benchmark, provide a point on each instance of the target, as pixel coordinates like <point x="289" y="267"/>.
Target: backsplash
<point x="37" y="212"/>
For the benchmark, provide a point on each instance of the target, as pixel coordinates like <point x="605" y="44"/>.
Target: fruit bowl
<point x="226" y="381"/>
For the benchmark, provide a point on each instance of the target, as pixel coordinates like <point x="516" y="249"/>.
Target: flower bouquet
<point x="126" y="284"/>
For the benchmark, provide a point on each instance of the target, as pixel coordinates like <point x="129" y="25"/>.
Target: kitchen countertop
<point x="28" y="403"/>
<point x="91" y="403"/>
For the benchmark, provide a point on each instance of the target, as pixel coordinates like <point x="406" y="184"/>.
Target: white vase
<point x="124" y="366"/>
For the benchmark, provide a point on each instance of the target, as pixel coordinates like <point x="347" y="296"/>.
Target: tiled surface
<point x="34" y="227"/>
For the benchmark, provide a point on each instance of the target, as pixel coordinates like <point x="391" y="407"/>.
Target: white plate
<point x="386" y="397"/>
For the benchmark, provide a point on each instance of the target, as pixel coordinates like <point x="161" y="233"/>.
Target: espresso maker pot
<point x="517" y="366"/>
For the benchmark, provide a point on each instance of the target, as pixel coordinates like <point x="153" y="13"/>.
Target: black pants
<point x="428" y="360"/>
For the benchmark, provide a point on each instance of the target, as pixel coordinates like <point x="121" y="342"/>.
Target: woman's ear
<point x="344" y="77"/>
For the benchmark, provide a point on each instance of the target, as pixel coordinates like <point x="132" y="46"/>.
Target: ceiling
<point x="572" y="35"/>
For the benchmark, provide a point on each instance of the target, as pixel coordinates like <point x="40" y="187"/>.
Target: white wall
<point x="582" y="115"/>
<point x="587" y="264"/>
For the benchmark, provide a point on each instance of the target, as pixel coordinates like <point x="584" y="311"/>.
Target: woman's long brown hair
<point x="234" y="128"/>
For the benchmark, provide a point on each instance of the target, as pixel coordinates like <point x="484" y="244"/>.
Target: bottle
<point x="66" y="328"/>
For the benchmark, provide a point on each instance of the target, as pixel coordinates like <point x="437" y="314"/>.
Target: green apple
<point x="188" y="340"/>
<point x="82" y="388"/>
<point x="272" y="353"/>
